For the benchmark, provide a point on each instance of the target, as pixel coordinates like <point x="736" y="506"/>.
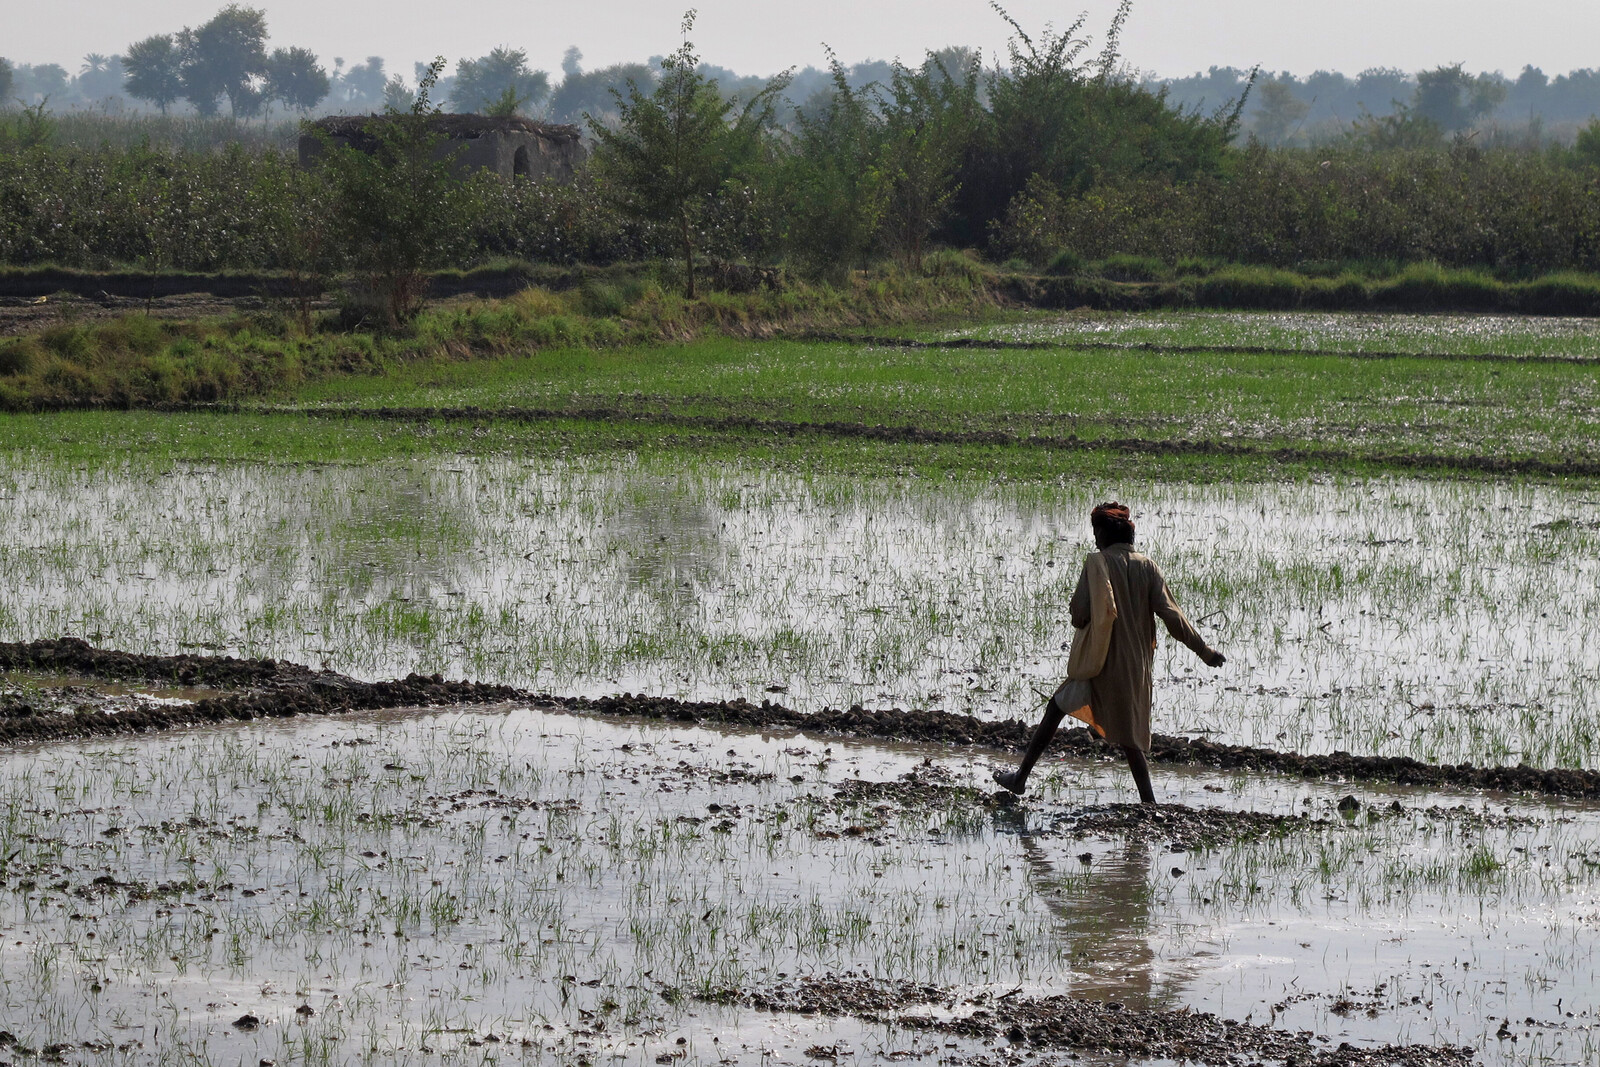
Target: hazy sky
<point x="1169" y="37"/>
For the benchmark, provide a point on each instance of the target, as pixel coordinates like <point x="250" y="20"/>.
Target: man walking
<point x="1119" y="596"/>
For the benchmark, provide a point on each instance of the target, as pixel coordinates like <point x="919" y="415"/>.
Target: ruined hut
<point x="509" y="147"/>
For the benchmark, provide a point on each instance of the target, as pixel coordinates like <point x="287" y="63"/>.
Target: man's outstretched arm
<point x="1178" y="624"/>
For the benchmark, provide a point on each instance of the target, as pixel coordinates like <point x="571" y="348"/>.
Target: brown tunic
<point x="1120" y="695"/>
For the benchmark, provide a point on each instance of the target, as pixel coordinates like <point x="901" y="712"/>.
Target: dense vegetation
<point x="1052" y="162"/>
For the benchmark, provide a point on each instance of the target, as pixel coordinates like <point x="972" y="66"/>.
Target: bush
<point x="1254" y="287"/>
<point x="1560" y="294"/>
<point x="1428" y="285"/>
<point x="20" y="355"/>
<point x="1065" y="262"/>
<point x="1123" y="267"/>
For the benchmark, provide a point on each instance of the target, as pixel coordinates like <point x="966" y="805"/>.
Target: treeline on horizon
<point x="1053" y="160"/>
<point x="224" y="65"/>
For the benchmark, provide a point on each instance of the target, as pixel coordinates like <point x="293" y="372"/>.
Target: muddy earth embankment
<point x="242" y="690"/>
<point x="1073" y="1024"/>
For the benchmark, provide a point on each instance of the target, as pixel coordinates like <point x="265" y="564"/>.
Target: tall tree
<point x="397" y="205"/>
<point x="226" y="56"/>
<point x="1454" y="99"/>
<point x="153" y="70"/>
<point x="930" y="115"/>
<point x="361" y="88"/>
<point x="1278" y="111"/>
<point x="837" y="185"/>
<point x="1075" y="119"/>
<point x="677" y="146"/>
<point x="593" y="93"/>
<point x="397" y="95"/>
<point x="100" y="76"/>
<point x="501" y="77"/>
<point x="294" y="77"/>
<point x="6" y="78"/>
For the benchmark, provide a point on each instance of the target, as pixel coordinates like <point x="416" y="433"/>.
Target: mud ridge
<point x="1067" y="1023"/>
<point x="268" y="689"/>
<point x="1186" y="350"/>
<point x="277" y="689"/>
<point x="1138" y="446"/>
<point x="950" y="728"/>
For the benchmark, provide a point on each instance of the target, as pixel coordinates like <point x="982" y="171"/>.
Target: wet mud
<point x="265" y="689"/>
<point x="276" y="689"/>
<point x="1034" y="1025"/>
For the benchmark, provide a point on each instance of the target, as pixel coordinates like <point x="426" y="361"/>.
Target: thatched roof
<point x="455" y="127"/>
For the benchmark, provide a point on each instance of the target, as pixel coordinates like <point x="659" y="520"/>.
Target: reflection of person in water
<point x="1119" y="596"/>
<point x="1104" y="914"/>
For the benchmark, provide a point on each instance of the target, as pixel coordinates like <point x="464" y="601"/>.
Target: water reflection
<point x="1103" y="910"/>
<point x="671" y="541"/>
<point x="1352" y="600"/>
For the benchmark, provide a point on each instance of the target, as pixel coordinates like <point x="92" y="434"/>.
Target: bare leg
<point x="1017" y="781"/>
<point x="1141" y="774"/>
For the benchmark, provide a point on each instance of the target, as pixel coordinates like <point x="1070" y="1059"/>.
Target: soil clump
<point x="1177" y="827"/>
<point x="1065" y="1023"/>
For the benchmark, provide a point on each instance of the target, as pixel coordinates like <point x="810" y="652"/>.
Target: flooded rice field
<point x="423" y="872"/>
<point x="524" y="884"/>
<point x="1297" y="331"/>
<point x="1443" y="621"/>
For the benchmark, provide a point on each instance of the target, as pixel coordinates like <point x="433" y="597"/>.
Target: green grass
<point x="163" y="440"/>
<point x="1188" y="408"/>
<point x="1364" y="410"/>
<point x="139" y="361"/>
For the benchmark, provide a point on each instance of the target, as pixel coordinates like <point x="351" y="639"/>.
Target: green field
<point x="1391" y="525"/>
<point x="1191" y="395"/>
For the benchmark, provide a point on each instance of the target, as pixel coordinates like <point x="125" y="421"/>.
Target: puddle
<point x="1441" y="621"/>
<point x="599" y="889"/>
<point x="27" y="693"/>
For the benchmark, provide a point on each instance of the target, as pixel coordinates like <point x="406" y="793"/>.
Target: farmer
<point x="1119" y="596"/>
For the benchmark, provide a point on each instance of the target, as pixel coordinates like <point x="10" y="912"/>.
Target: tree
<point x="593" y="94"/>
<point x="1405" y="128"/>
<point x="1278" y="111"/>
<point x="36" y="83"/>
<point x="1586" y="148"/>
<point x="153" y="71"/>
<point x="397" y="96"/>
<point x="571" y="61"/>
<point x="929" y="117"/>
<point x="1452" y="99"/>
<point x="837" y="184"/>
<point x="6" y="79"/>
<point x="397" y="204"/>
<point x="1077" y="120"/>
<point x="294" y="77"/>
<point x="100" y="76"/>
<point x="362" y="87"/>
<point x="484" y="82"/>
<point x="675" y="148"/>
<point x="225" y="56"/>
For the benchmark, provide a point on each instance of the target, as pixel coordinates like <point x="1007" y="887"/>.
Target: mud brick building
<point x="509" y="147"/>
